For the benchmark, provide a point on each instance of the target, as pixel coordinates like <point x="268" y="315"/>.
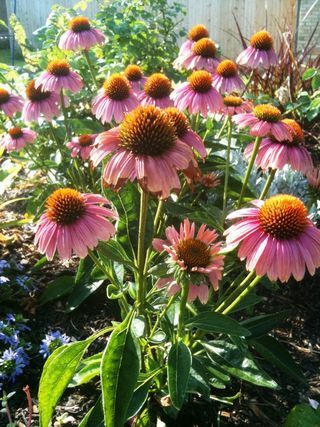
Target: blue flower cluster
<point x="12" y="276"/>
<point x="51" y="342"/>
<point x="13" y="348"/>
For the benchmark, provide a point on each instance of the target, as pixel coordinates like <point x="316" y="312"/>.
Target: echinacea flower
<point x="156" y="91"/>
<point x="145" y="147"/>
<point x="195" y="255"/>
<point x="51" y="342"/>
<point x="197" y="95"/>
<point x="276" y="237"/>
<point x="264" y="120"/>
<point x="59" y="76"/>
<point x="260" y="53"/>
<point x="135" y="76"/>
<point x="201" y="57"/>
<point x="82" y="145"/>
<point x="313" y="177"/>
<point x="10" y="103"/>
<point x="17" y="138"/>
<point x="210" y="180"/>
<point x="184" y="131"/>
<point x="73" y="222"/>
<point x="226" y="77"/>
<point x="80" y="35"/>
<point x="233" y="104"/>
<point x="114" y="100"/>
<point x="40" y="102"/>
<point x="276" y="154"/>
<point x="196" y="33"/>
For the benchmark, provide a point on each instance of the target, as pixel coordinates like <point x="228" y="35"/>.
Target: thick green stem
<point x="183" y="303"/>
<point x="226" y="175"/>
<point x="249" y="168"/>
<point x="141" y="249"/>
<point x="243" y="294"/>
<point x="235" y="293"/>
<point x="157" y="221"/>
<point x="86" y="55"/>
<point x="267" y="184"/>
<point x="65" y="117"/>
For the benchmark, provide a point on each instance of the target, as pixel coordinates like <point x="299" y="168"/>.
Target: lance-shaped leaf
<point x="120" y="366"/>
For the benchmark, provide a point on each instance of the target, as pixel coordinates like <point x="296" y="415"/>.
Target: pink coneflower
<point x="276" y="238"/>
<point x="313" y="177"/>
<point x="80" y="35"/>
<point x="233" y="104"/>
<point x="226" y="77"/>
<point x="59" y="76"/>
<point x="276" y="154"/>
<point x="135" y="76"/>
<point x="73" y="222"/>
<point x="10" y="103"/>
<point x="184" y="131"/>
<point x="156" y="91"/>
<point x="264" y="120"/>
<point x="197" y="95"/>
<point x="260" y="53"/>
<point x="195" y="34"/>
<point x="196" y="255"/>
<point x="209" y="180"/>
<point x="82" y="145"/>
<point x="114" y="100"/>
<point x="39" y="102"/>
<point x="201" y="57"/>
<point x="17" y="138"/>
<point x="145" y="147"/>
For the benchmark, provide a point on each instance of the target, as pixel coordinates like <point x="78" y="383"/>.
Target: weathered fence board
<point x="252" y="16"/>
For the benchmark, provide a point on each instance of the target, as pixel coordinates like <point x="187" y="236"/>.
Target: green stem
<point x="141" y="248"/>
<point x="235" y="293"/>
<point x="248" y="82"/>
<point x="249" y="168"/>
<point x="226" y="175"/>
<point x="243" y="294"/>
<point x="86" y="55"/>
<point x="267" y="184"/>
<point x="183" y="303"/>
<point x="223" y="127"/>
<point x="157" y="220"/>
<point x="100" y="265"/>
<point x="65" y="117"/>
<point x="161" y="316"/>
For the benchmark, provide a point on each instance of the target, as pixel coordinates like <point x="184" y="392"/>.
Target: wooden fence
<point x="217" y="15"/>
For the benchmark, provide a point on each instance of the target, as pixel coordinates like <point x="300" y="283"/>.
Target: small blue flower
<point x="10" y="318"/>
<point x="12" y="363"/>
<point x="4" y="265"/>
<point x="4" y="280"/>
<point x="51" y="342"/>
<point x="21" y="281"/>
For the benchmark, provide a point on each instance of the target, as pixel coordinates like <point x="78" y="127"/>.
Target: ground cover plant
<point x="164" y="178"/>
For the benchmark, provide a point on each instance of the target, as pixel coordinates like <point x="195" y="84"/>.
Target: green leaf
<point x="113" y="250"/>
<point x="197" y="384"/>
<point x="88" y="369"/>
<point x="273" y="351"/>
<point x="240" y="365"/>
<point x="261" y="325"/>
<point x="247" y="302"/>
<point x="308" y="74"/>
<point x="120" y="368"/>
<point x="217" y="323"/>
<point x="94" y="417"/>
<point x="178" y="369"/>
<point x="303" y="416"/>
<point x="138" y="399"/>
<point x="58" y="288"/>
<point x="56" y="375"/>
